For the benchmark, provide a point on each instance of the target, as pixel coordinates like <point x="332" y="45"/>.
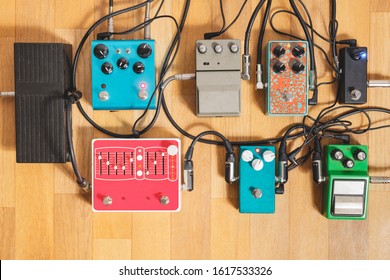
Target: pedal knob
<point x="348" y="163"/>
<point x="279" y="51"/>
<point x="359" y="155"/>
<point x="144" y="50"/>
<point x="122" y="63"/>
<point x="268" y="156"/>
<point x="298" y="67"/>
<point x="279" y="67"/>
<point x="234" y="48"/>
<point x="337" y="154"/>
<point x="138" y="67"/>
<point x="107" y="68"/>
<point x="298" y="51"/>
<point x="100" y="51"/>
<point x="202" y="48"/>
<point x="257" y="164"/>
<point x="247" y="156"/>
<point x="218" y="48"/>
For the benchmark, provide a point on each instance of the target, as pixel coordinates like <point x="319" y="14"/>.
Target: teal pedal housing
<point x="287" y="82"/>
<point x="257" y="179"/>
<point x="123" y="74"/>
<point x="345" y="192"/>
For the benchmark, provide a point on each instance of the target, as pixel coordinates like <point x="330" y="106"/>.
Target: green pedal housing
<point x="345" y="191"/>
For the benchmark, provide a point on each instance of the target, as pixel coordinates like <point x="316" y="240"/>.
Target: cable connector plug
<point x="317" y="162"/>
<point x="282" y="168"/>
<point x="74" y="96"/>
<point x="312" y="79"/>
<point x="246" y="65"/>
<point x="7" y="94"/>
<point x="279" y="189"/>
<point x="351" y="42"/>
<point x="291" y="156"/>
<point x="85" y="185"/>
<point x="379" y="180"/>
<point x="211" y="35"/>
<point x="259" y="76"/>
<point x="229" y="168"/>
<point x="188" y="176"/>
<point x="346" y="138"/>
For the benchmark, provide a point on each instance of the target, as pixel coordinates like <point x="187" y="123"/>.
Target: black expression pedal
<point x="42" y="77"/>
<point x="353" y="75"/>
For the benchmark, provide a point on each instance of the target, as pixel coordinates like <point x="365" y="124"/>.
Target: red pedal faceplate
<point x="136" y="174"/>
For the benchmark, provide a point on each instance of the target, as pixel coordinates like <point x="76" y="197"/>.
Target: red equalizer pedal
<point x="136" y="174"/>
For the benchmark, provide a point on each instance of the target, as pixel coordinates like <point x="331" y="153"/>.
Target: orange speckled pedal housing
<point x="288" y="82"/>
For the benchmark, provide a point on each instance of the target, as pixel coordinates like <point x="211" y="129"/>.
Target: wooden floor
<point x="44" y="216"/>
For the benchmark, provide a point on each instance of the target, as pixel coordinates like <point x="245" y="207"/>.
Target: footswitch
<point x="136" y="174"/>
<point x="346" y="188"/>
<point x="287" y="78"/>
<point x="257" y="179"/>
<point x="218" y="78"/>
<point x="123" y="74"/>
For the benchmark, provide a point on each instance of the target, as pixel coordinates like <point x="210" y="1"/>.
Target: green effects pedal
<point x="345" y="191"/>
<point x="257" y="179"/>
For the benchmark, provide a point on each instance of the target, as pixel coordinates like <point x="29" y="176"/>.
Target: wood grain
<point x="43" y="215"/>
<point x="7" y="237"/>
<point x="7" y="19"/>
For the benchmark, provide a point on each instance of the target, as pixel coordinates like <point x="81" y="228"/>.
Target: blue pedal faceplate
<point x="123" y="88"/>
<point x="257" y="179"/>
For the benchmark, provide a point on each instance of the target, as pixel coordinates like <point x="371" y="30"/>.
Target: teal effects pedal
<point x="257" y="179"/>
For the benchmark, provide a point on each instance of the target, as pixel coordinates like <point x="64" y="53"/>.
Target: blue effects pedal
<point x="123" y="74"/>
<point x="287" y="78"/>
<point x="257" y="179"/>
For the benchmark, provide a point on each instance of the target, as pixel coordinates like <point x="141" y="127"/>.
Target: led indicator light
<point x="142" y="85"/>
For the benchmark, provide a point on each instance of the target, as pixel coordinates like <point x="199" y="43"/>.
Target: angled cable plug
<point x="246" y="65"/>
<point x="230" y="178"/>
<point x="84" y="184"/>
<point x="282" y="168"/>
<point x="259" y="76"/>
<point x="188" y="175"/>
<point x="7" y="94"/>
<point x="292" y="156"/>
<point x="312" y="80"/>
<point x="188" y="170"/>
<point x="317" y="162"/>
